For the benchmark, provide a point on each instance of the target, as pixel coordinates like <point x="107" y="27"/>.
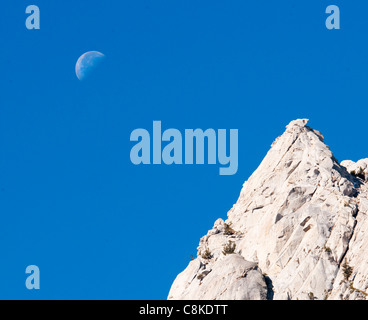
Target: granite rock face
<point x="231" y="277"/>
<point x="299" y="230"/>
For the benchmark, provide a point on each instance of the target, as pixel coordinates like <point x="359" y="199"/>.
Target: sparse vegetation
<point x="229" y="248"/>
<point x="328" y="249"/>
<point x="347" y="270"/>
<point x="207" y="254"/>
<point x="311" y="295"/>
<point x="228" y="231"/>
<point x="353" y="289"/>
<point x="203" y="274"/>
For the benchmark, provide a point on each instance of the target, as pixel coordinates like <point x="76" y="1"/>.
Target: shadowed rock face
<point x="301" y="218"/>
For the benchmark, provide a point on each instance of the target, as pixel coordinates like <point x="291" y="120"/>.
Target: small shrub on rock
<point x="347" y="270"/>
<point x="228" y="231"/>
<point x="229" y="248"/>
<point x="207" y="254"/>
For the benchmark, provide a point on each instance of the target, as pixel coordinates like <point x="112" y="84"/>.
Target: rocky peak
<point x="299" y="221"/>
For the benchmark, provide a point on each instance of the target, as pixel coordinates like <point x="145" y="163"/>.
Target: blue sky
<point x="71" y="201"/>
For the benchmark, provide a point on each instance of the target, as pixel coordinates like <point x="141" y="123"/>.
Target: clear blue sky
<point x="72" y="203"/>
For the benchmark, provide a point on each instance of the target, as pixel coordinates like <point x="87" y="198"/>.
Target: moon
<point x="87" y="62"/>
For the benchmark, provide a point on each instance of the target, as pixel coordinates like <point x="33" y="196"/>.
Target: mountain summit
<point x="299" y="230"/>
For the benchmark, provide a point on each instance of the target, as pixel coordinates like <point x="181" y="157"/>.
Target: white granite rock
<point x="301" y="218"/>
<point x="227" y="279"/>
<point x="357" y="168"/>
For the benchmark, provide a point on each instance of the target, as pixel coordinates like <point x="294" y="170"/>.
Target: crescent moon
<point x="87" y="62"/>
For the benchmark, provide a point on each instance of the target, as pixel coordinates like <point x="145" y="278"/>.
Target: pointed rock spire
<point x="294" y="221"/>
